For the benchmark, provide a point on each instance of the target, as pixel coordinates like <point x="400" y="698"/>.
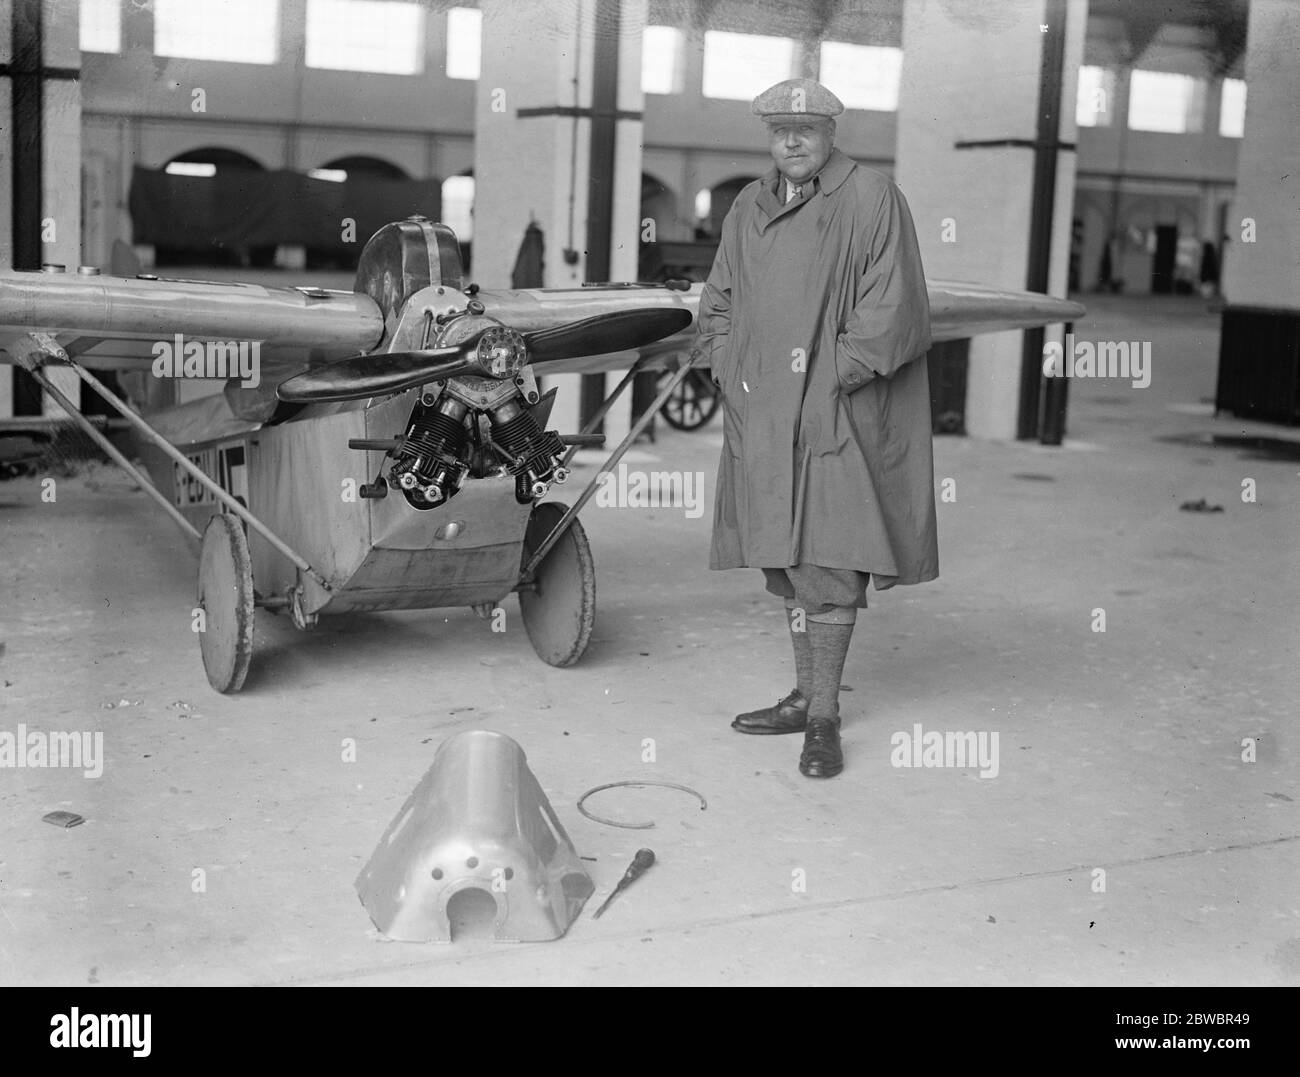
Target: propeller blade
<point x="374" y="375"/>
<point x="615" y="332"/>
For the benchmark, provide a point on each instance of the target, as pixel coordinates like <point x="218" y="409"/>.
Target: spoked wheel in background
<point x="693" y="403"/>
<point x="226" y="598"/>
<point x="559" y="606"/>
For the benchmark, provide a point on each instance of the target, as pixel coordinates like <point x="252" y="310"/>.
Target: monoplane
<point x="389" y="448"/>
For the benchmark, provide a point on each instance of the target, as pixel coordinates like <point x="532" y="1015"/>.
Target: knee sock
<point x="829" y="635"/>
<point x="797" y="619"/>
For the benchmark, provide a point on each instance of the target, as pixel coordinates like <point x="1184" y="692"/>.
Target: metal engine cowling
<point x="478" y="819"/>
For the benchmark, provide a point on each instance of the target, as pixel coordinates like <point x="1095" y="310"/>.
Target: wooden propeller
<point x="391" y="372"/>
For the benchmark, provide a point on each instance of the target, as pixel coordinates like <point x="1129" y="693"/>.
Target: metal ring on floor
<point x="640" y="784"/>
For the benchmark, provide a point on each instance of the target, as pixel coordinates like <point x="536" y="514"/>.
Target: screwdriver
<point x="643" y="859"/>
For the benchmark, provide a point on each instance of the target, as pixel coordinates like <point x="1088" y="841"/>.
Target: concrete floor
<point x="1120" y="750"/>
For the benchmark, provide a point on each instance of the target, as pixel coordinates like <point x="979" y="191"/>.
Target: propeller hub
<point x="501" y="352"/>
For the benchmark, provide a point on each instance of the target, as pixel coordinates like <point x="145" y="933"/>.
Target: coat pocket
<point x="733" y="420"/>
<point x="734" y="408"/>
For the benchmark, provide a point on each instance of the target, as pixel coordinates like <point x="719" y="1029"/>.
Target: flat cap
<point x="796" y="99"/>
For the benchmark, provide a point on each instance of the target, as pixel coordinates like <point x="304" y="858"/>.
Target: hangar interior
<point x="1153" y="153"/>
<point x="375" y="108"/>
<point x="1117" y="598"/>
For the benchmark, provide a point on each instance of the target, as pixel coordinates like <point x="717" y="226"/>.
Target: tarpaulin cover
<point x="245" y="208"/>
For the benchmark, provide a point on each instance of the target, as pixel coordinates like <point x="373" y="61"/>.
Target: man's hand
<point x="852" y="373"/>
<point x="700" y="361"/>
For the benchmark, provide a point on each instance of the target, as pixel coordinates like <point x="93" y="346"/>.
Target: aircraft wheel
<point x="226" y="597"/>
<point x="560" y="612"/>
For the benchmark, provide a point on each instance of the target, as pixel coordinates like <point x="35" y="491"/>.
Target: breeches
<point x="817" y="589"/>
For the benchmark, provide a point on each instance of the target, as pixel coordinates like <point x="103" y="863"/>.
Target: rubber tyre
<point x="226" y="597"/>
<point x="560" y="613"/>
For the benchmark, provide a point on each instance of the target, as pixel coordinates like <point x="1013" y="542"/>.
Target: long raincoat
<point x="816" y="320"/>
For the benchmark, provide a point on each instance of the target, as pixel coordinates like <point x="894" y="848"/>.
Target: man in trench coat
<point x="815" y="320"/>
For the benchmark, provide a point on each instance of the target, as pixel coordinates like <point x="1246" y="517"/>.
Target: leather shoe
<point x="822" y="757"/>
<point x="790" y="715"/>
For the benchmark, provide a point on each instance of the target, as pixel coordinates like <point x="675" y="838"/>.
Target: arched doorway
<point x="209" y="160"/>
<point x="196" y="176"/>
<point x="341" y="168"/>
<point x="721" y="196"/>
<point x="367" y="180"/>
<point x="658" y="225"/>
<point x="659" y="204"/>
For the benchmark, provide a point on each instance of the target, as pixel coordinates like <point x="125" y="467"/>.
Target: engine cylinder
<point x="429" y="468"/>
<point x="535" y="454"/>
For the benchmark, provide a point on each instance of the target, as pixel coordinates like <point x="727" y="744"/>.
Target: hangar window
<point x="703" y="204"/>
<point x="739" y="67"/>
<point x="662" y="49"/>
<point x="458" y="206"/>
<point x="1232" y="109"/>
<point x="383" y="36"/>
<point x="101" y="26"/>
<point x="205" y="162"/>
<point x="237" y="31"/>
<point x="863" y="76"/>
<point x="464" y="42"/>
<point x="1096" y="94"/>
<point x="196" y="169"/>
<point x="342" y="169"/>
<point x="1162" y="101"/>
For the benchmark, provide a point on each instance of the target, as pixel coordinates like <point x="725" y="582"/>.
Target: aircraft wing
<point x="957" y="311"/>
<point x="114" y="322"/>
